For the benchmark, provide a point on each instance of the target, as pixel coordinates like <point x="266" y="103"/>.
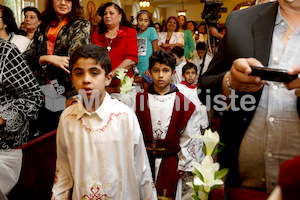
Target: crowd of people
<point x="146" y="151"/>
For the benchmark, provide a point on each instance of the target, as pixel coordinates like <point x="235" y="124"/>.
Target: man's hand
<point x="241" y="80"/>
<point x="295" y="84"/>
<point x="2" y="121"/>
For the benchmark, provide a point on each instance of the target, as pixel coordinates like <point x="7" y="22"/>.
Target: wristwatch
<point x="228" y="86"/>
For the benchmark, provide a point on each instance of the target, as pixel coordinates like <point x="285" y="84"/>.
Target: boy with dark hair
<point x="188" y="87"/>
<point x="166" y="117"/>
<point x="200" y="47"/>
<point x="178" y="52"/>
<point x="100" y="149"/>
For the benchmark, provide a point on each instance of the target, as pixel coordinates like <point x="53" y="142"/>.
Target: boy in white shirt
<point x="178" y="52"/>
<point x="200" y="47"/>
<point x="188" y="87"/>
<point x="100" y="148"/>
<point x="166" y="117"/>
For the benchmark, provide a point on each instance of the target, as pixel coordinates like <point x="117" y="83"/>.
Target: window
<point x="156" y="16"/>
<point x="135" y="10"/>
<point x="17" y="5"/>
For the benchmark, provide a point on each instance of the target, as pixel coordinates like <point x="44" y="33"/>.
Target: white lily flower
<point x="121" y="73"/>
<point x="210" y="139"/>
<point x="207" y="168"/>
<point x="126" y="86"/>
<point x="202" y="195"/>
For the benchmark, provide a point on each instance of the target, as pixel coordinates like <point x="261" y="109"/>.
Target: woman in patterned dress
<point x="61" y="32"/>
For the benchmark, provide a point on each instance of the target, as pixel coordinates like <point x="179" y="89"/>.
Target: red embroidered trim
<point x="95" y="190"/>
<point x="70" y="116"/>
<point x="101" y="130"/>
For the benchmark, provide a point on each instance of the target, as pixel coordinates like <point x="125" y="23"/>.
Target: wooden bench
<point x="38" y="169"/>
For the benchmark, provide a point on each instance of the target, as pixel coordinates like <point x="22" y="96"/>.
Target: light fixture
<point x="182" y="11"/>
<point x="144" y="3"/>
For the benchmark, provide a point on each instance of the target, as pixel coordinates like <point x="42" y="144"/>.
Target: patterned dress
<point x="71" y="36"/>
<point x="20" y="96"/>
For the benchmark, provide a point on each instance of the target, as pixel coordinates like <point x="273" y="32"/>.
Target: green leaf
<point x="221" y="173"/>
<point x="204" y="149"/>
<point x="195" y="188"/>
<point x="222" y="144"/>
<point x="215" y="187"/>
<point x="199" y="174"/>
<point x="195" y="197"/>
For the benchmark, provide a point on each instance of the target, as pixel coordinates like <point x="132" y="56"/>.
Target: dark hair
<point x="158" y="25"/>
<point x="162" y="57"/>
<point x="189" y="66"/>
<point x="96" y="52"/>
<point x="150" y="19"/>
<point x="33" y="9"/>
<point x="49" y="15"/>
<point x="98" y="10"/>
<point x="184" y="25"/>
<point x="194" y="24"/>
<point x="9" y="20"/>
<point x="202" y="23"/>
<point x="172" y="17"/>
<point x="124" y="22"/>
<point x="200" y="46"/>
<point x="178" y="51"/>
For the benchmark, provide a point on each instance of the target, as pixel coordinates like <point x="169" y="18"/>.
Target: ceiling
<point x="172" y="3"/>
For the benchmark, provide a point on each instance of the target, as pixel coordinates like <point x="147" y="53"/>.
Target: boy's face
<point x="201" y="53"/>
<point x="161" y="75"/>
<point x="89" y="78"/>
<point x="190" y="75"/>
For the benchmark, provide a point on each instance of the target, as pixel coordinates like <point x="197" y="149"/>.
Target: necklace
<point x="109" y="45"/>
<point x="290" y="26"/>
<point x="163" y="99"/>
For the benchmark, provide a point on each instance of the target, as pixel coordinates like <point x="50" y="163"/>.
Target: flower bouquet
<point x="125" y="81"/>
<point x="126" y="85"/>
<point x="207" y="175"/>
<point x="191" y="58"/>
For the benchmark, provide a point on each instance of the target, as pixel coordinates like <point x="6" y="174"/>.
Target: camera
<point x="212" y="11"/>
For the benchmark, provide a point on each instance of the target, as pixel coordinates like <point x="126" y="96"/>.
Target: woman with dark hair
<point x="168" y="40"/>
<point x="32" y="19"/>
<point x="188" y="37"/>
<point x="61" y="32"/>
<point x="157" y="27"/>
<point x="191" y="25"/>
<point x="9" y="29"/>
<point x="118" y="38"/>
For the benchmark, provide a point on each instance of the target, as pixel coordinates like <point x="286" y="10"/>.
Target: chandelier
<point x="144" y="3"/>
<point x="182" y="11"/>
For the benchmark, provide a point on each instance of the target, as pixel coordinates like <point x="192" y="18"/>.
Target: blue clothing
<point x="145" y="40"/>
